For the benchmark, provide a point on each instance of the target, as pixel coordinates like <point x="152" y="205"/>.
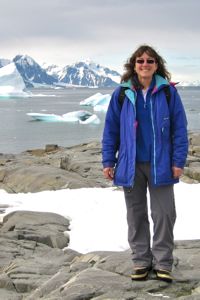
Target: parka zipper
<point x="134" y="150"/>
<point x="134" y="133"/>
<point x="154" y="143"/>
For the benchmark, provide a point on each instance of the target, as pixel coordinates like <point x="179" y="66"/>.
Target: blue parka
<point x="169" y="135"/>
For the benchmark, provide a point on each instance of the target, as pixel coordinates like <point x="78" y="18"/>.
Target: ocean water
<point x="18" y="132"/>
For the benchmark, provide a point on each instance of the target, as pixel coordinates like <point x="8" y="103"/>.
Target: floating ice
<point x="45" y="117"/>
<point x="43" y="95"/>
<point x="81" y="116"/>
<point x="92" y="100"/>
<point x="97" y="99"/>
<point x="92" y="119"/>
<point x="102" y="108"/>
<point x="11" y="82"/>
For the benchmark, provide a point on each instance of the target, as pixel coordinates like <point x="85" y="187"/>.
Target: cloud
<point x="96" y="19"/>
<point x="64" y="30"/>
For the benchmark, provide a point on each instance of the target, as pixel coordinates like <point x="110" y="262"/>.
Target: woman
<point x="144" y="146"/>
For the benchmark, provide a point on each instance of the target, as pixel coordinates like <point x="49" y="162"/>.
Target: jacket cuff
<point x="178" y="165"/>
<point x="108" y="165"/>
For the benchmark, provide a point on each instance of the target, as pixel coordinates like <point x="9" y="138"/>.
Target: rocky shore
<point x="56" y="168"/>
<point x="192" y="168"/>
<point x="36" y="263"/>
<point x="52" y="168"/>
<point x="35" y="259"/>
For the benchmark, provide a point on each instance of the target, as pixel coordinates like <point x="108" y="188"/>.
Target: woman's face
<point x="145" y="66"/>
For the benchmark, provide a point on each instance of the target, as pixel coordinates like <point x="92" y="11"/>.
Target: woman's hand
<point x="108" y="173"/>
<point x="177" y="172"/>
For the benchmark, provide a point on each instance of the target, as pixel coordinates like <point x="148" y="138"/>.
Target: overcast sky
<point x="108" y="32"/>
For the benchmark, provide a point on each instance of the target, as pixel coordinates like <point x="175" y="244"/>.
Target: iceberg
<point x="81" y="116"/>
<point x="93" y="119"/>
<point x="97" y="99"/>
<point x="45" y="117"/>
<point x="92" y="100"/>
<point x="101" y="108"/>
<point x="11" y="82"/>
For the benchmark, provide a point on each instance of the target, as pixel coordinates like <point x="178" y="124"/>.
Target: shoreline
<point x="55" y="167"/>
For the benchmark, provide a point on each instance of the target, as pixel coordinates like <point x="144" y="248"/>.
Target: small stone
<point x="51" y="147"/>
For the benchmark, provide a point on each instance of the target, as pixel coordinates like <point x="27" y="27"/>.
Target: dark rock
<point x="51" y="147"/>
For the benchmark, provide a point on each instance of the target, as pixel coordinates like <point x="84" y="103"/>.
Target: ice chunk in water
<point x="11" y="82"/>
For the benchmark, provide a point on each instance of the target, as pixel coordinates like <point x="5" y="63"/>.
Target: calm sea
<point x="19" y="133"/>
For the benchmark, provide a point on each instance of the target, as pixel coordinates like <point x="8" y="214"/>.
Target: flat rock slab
<point x="41" y="169"/>
<point x="45" y="228"/>
<point x="31" y="268"/>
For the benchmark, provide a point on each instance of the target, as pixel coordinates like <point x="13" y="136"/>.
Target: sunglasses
<point x="148" y="61"/>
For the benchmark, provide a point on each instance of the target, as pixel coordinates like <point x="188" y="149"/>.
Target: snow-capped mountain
<point x="85" y="73"/>
<point x="53" y="70"/>
<point x="194" y="83"/>
<point x="4" y="62"/>
<point x="31" y="72"/>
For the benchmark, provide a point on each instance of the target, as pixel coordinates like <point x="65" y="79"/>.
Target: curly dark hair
<point x="130" y="64"/>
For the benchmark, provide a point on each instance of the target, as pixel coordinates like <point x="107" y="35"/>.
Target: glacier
<point x="81" y="116"/>
<point x="98" y="101"/>
<point x="11" y="82"/>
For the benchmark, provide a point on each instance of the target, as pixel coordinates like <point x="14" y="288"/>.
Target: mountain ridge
<point x="83" y="73"/>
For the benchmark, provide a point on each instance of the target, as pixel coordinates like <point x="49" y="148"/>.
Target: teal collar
<point x="160" y="82"/>
<point x="131" y="92"/>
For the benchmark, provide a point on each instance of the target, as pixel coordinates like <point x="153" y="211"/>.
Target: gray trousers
<point x="163" y="214"/>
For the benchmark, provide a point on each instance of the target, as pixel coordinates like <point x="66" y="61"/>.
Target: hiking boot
<point x="140" y="273"/>
<point x="164" y="275"/>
